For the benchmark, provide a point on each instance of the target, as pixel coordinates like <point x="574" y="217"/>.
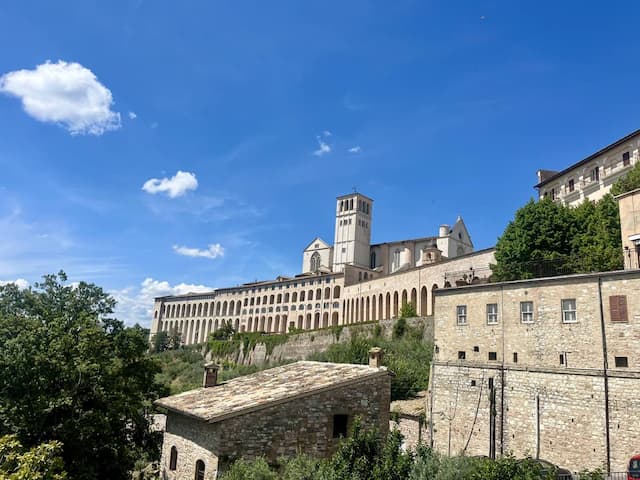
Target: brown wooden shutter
<point x="618" y="308"/>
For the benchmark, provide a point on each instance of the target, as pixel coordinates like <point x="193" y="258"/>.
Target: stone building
<point x="592" y="177"/>
<point x="547" y="367"/>
<point x="303" y="407"/>
<point x="347" y="282"/>
<point x="629" y="205"/>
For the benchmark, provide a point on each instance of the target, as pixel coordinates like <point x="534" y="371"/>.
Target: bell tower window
<point x="315" y="262"/>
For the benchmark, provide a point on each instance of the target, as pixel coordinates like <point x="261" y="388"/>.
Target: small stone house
<point x="303" y="407"/>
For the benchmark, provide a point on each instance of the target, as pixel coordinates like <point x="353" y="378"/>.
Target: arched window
<point x="173" y="459"/>
<point x="372" y="260"/>
<point x="396" y="260"/>
<point x="315" y="262"/>
<point x="199" y="470"/>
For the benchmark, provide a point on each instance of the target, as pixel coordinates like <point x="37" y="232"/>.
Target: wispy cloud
<point x="214" y="250"/>
<point x="175" y="186"/>
<point x="327" y="133"/>
<point x="135" y="304"/>
<point x="323" y="147"/>
<point x="355" y="149"/>
<point x="132" y="115"/>
<point x="64" y="93"/>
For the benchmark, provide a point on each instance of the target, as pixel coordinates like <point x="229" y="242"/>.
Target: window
<point x="492" y="313"/>
<point x="199" y="470"/>
<point x="553" y="194"/>
<point x="461" y="314"/>
<point x="462" y="355"/>
<point x="626" y="161"/>
<point x="595" y="174"/>
<point x="493" y="355"/>
<point x="622" y="362"/>
<point x="315" y="262"/>
<point x="476" y="348"/>
<point x="618" y="308"/>
<point x="173" y="459"/>
<point x="526" y="312"/>
<point x="372" y="260"/>
<point x="572" y="185"/>
<point x="569" y="310"/>
<point x="340" y="423"/>
<point x="562" y="359"/>
<point x="515" y="357"/>
<point x="396" y="260"/>
<point x="473" y="383"/>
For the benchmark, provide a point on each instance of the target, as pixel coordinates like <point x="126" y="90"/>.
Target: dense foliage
<point x="629" y="182"/>
<point x="42" y="462"/>
<point x="72" y="374"/>
<point x="362" y="456"/>
<point x="407" y="355"/>
<point x="546" y="238"/>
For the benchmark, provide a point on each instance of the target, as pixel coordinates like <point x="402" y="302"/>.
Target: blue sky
<point x="272" y="109"/>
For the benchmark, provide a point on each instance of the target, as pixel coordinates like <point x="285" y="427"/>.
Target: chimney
<point x="375" y="357"/>
<point x="444" y="231"/>
<point x="210" y="378"/>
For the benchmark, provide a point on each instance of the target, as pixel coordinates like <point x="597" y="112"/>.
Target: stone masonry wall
<point x="301" y="425"/>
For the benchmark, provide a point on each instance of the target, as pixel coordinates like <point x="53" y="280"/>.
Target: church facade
<point x="349" y="281"/>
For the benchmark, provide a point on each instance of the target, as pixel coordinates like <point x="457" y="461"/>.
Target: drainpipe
<point x="605" y="374"/>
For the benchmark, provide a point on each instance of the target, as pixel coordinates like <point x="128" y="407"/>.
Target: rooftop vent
<point x="210" y="378"/>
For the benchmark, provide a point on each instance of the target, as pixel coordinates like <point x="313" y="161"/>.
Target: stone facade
<point x="366" y="283"/>
<point x="290" y="419"/>
<point x="539" y="384"/>
<point x="629" y="205"/>
<point x="592" y="177"/>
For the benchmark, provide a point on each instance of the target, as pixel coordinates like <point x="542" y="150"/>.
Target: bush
<point x="250" y="470"/>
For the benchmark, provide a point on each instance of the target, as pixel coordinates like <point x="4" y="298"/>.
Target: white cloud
<point x="355" y="149"/>
<point x="64" y="93"/>
<point x="326" y="133"/>
<point x="174" y="187"/>
<point x="135" y="304"/>
<point x="20" y="282"/>
<point x="214" y="250"/>
<point x="132" y="115"/>
<point x="323" y="148"/>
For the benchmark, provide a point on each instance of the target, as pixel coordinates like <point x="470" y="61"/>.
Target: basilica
<point x="345" y="282"/>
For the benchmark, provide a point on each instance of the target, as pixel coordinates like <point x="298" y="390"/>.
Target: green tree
<point x="250" y="470"/>
<point x="42" y="462"/>
<point x="174" y="340"/>
<point x="408" y="310"/>
<point x="71" y="373"/>
<point x="629" y="182"/>
<point x="160" y="342"/>
<point x="541" y="231"/>
<point x="225" y="332"/>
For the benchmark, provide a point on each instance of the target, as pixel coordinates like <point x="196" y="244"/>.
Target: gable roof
<point x="260" y="390"/>
<point x="317" y="240"/>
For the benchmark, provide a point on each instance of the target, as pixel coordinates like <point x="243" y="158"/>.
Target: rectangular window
<point x="492" y="313"/>
<point x="569" y="310"/>
<point x="595" y="174"/>
<point x="622" y="362"/>
<point x="515" y="357"/>
<point x="340" y="424"/>
<point x="526" y="312"/>
<point x="476" y="348"/>
<point x="493" y="355"/>
<point x="461" y="314"/>
<point x="553" y="194"/>
<point x="462" y="355"/>
<point x="618" y="308"/>
<point x="572" y="185"/>
<point x="626" y="161"/>
<point x="562" y="359"/>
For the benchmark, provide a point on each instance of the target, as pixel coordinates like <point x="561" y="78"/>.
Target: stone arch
<point x="334" y="318"/>
<point x="395" y="304"/>
<point x="414" y="299"/>
<point x="261" y="328"/>
<point x="205" y="313"/>
<point x="215" y="325"/>
<point x="237" y="324"/>
<point x="307" y="324"/>
<point x="388" y="306"/>
<point x="294" y="297"/>
<point x="269" y="324"/>
<point x="404" y="298"/>
<point x="224" y="308"/>
<point x="336" y="291"/>
<point x="319" y="294"/>
<point x="276" y="327"/>
<point x="380" y="307"/>
<point x="286" y="297"/>
<point x="423" y="301"/>
<point x="367" y="310"/>
<point x="309" y="295"/>
<point x="238" y="307"/>
<point x="316" y="320"/>
<point x="433" y="298"/>
<point x="250" y="324"/>
<point x="302" y="295"/>
<point x="300" y="321"/>
<point x="283" y="325"/>
<point x="327" y="293"/>
<point x="279" y="298"/>
<point x="199" y="309"/>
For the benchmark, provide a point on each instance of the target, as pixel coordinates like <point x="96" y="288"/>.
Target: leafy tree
<point x="71" y="373"/>
<point x="225" y="332"/>
<point x="250" y="470"/>
<point x="160" y="342"/>
<point x="540" y="231"/>
<point x="408" y="310"/>
<point x="174" y="340"/>
<point x="629" y="182"/>
<point x="42" y="462"/>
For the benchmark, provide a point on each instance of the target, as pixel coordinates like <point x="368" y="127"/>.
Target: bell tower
<point x="353" y="231"/>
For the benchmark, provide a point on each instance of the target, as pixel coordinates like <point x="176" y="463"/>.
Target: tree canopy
<point x="547" y="238"/>
<point x="629" y="182"/>
<point x="72" y="374"/>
